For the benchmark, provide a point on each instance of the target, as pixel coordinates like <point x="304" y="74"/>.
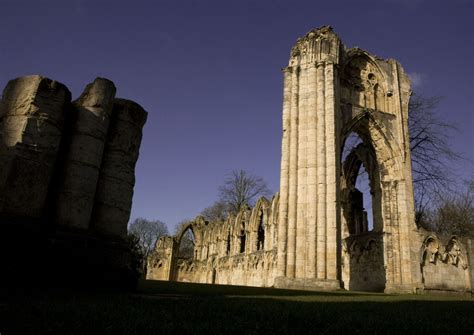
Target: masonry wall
<point x="239" y="251"/>
<point x="363" y="263"/>
<point x="445" y="262"/>
<point x="255" y="269"/>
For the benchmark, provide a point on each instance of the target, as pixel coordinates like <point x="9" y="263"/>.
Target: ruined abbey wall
<point x="320" y="233"/>
<point x="240" y="251"/>
<point x="443" y="260"/>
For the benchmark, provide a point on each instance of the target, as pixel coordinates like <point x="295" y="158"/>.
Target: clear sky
<point x="208" y="73"/>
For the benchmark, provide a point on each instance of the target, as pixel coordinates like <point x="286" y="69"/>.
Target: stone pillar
<point x="332" y="171"/>
<point x="312" y="174"/>
<point x="312" y="214"/>
<point x="321" y="175"/>
<point x="284" y="173"/>
<point x="293" y="176"/>
<point x="32" y="114"/>
<point x="113" y="199"/>
<point x="301" y="205"/>
<point x="84" y="154"/>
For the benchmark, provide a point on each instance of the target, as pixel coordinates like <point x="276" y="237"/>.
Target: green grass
<point x="177" y="308"/>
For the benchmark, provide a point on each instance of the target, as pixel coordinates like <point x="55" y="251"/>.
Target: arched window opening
<point x="186" y="245"/>
<point x="359" y="194"/>
<point x="228" y="244"/>
<point x="361" y="201"/>
<point x="242" y="237"/>
<point x="351" y="142"/>
<point x="260" y="233"/>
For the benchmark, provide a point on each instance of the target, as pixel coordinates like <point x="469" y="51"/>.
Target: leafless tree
<point x="453" y="213"/>
<point x="216" y="212"/>
<point x="241" y="188"/>
<point x="431" y="152"/>
<point x="147" y="232"/>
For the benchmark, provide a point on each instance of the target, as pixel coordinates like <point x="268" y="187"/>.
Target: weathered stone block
<point x="113" y="199"/>
<point x="84" y="154"/>
<point x="32" y="114"/>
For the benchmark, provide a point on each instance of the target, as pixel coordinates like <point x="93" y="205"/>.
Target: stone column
<point x="300" y="245"/>
<point x="113" y="199"/>
<point x="284" y="173"/>
<point x="321" y="175"/>
<point x="293" y="176"/>
<point x="32" y="114"/>
<point x="312" y="174"/>
<point x="332" y="172"/>
<point x="84" y="154"/>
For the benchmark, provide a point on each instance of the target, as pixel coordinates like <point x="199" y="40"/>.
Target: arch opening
<point x="242" y="237"/>
<point x="361" y="216"/>
<point x="358" y="191"/>
<point x="228" y="244"/>
<point x="187" y="243"/>
<point x="260" y="232"/>
<point x="185" y="252"/>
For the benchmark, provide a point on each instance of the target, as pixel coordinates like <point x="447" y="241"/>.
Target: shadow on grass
<point x="166" y="287"/>
<point x="170" y="309"/>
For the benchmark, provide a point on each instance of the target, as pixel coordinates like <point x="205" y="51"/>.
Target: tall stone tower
<point x="331" y="91"/>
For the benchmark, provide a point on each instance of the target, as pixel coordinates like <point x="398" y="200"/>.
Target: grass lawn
<point x="178" y="308"/>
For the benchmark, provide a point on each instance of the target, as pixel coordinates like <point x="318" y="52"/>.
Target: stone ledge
<point x="309" y="284"/>
<point x="401" y="289"/>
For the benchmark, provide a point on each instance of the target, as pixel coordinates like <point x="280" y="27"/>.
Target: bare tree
<point x="431" y="152"/>
<point x="216" y="212"/>
<point x="453" y="213"/>
<point x="241" y="188"/>
<point x="147" y="232"/>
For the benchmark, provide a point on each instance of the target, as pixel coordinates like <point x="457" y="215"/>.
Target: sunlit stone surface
<point x="315" y="230"/>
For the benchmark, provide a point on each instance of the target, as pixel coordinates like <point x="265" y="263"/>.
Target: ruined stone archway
<point x="310" y="239"/>
<point x="362" y="262"/>
<point x="181" y="266"/>
<point x="329" y="92"/>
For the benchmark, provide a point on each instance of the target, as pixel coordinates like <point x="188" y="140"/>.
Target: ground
<point x="163" y="307"/>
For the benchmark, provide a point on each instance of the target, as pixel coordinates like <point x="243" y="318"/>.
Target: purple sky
<point x="208" y="73"/>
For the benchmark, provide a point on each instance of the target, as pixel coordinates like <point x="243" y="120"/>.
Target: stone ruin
<point x="313" y="234"/>
<point x="240" y="251"/>
<point x="67" y="172"/>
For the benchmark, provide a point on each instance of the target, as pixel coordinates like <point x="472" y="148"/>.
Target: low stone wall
<point x="445" y="263"/>
<point x="363" y="262"/>
<point x="256" y="269"/>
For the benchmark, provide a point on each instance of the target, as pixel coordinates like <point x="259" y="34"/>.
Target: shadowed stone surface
<point x="32" y="114"/>
<point x="54" y="171"/>
<point x="84" y="154"/>
<point x="113" y="199"/>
